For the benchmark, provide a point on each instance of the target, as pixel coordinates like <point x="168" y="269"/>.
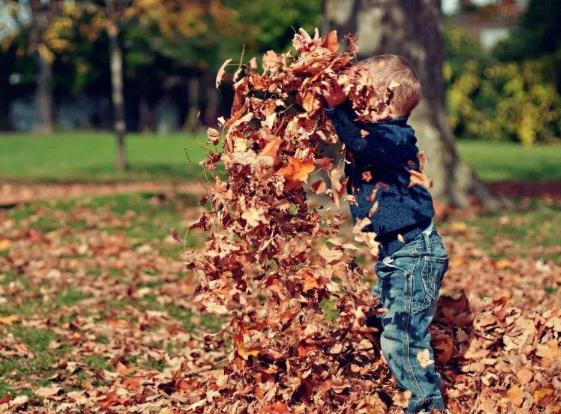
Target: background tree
<point x="39" y="30"/>
<point x="413" y="29"/>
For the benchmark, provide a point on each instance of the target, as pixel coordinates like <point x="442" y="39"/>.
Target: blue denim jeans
<point x="408" y="284"/>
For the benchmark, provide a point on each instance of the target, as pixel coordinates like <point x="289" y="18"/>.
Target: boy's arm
<point x="384" y="149"/>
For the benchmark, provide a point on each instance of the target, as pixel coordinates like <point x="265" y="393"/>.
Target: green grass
<point x="84" y="157"/>
<point x="512" y="162"/>
<point x="534" y="232"/>
<point x="89" y="157"/>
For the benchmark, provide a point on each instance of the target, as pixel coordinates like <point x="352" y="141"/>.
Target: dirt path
<point x="544" y="190"/>
<point x="16" y="193"/>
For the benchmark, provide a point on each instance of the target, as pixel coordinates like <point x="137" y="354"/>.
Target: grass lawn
<point x="81" y="157"/>
<point x="496" y="161"/>
<point x="87" y="157"/>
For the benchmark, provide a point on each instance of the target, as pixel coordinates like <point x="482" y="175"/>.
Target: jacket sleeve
<point x="376" y="143"/>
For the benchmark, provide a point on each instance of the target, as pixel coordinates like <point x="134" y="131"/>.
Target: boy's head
<point x="392" y="71"/>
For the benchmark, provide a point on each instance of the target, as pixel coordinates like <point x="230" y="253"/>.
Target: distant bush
<point x="501" y="100"/>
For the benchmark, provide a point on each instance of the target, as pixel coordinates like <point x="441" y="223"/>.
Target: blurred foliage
<point x="538" y="33"/>
<point x="272" y="24"/>
<point x="511" y="93"/>
<point x="491" y="99"/>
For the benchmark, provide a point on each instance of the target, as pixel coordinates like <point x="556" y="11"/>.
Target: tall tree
<point x="116" y="65"/>
<point x="413" y="29"/>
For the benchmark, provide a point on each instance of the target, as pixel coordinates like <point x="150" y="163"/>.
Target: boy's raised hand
<point x="334" y="94"/>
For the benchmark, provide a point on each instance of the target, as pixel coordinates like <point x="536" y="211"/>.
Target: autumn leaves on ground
<point x="95" y="311"/>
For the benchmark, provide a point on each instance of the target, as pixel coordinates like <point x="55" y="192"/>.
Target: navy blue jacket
<point x="380" y="155"/>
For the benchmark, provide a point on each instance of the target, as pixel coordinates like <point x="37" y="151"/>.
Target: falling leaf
<point x="271" y="61"/>
<point x="418" y="178"/>
<point x="297" y="169"/>
<point x="254" y="216"/>
<point x="330" y="255"/>
<point x="213" y="135"/>
<point x="373" y="209"/>
<point x="331" y="41"/>
<point x="221" y="72"/>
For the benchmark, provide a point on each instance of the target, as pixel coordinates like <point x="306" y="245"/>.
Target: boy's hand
<point x="334" y="94"/>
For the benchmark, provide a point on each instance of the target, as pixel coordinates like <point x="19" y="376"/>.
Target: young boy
<point x="412" y="259"/>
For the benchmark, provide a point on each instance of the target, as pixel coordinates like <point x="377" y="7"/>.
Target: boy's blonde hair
<point x="392" y="71"/>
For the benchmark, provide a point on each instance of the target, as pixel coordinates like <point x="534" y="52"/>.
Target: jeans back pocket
<point x="427" y="284"/>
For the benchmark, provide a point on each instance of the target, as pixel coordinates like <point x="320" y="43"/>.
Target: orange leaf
<point x="276" y="408"/>
<point x="524" y="375"/>
<point x="310" y="282"/>
<point x="310" y="102"/>
<point x="4" y="244"/>
<point x="271" y="148"/>
<point x="515" y="395"/>
<point x="297" y="169"/>
<point x="8" y="320"/>
<point x="331" y="42"/>
<point x="304" y="349"/>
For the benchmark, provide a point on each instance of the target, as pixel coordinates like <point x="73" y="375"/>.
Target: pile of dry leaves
<point x="271" y="263"/>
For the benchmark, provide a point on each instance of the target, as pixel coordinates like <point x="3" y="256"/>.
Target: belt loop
<point x="427" y="242"/>
<point x="426" y="237"/>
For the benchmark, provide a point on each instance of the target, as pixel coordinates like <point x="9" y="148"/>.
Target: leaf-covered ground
<point x="95" y="313"/>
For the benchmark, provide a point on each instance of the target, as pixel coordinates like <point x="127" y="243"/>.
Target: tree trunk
<point x="413" y="29"/>
<point x="116" y="63"/>
<point x="7" y="59"/>
<point x="146" y="116"/>
<point x="43" y="97"/>
<point x="211" y="109"/>
<point x="193" y="115"/>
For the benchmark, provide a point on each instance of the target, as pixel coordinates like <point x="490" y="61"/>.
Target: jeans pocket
<point x="426" y="284"/>
<point x="394" y="280"/>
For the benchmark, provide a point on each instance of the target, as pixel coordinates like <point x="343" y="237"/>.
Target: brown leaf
<point x="221" y="72"/>
<point x="331" y="42"/>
